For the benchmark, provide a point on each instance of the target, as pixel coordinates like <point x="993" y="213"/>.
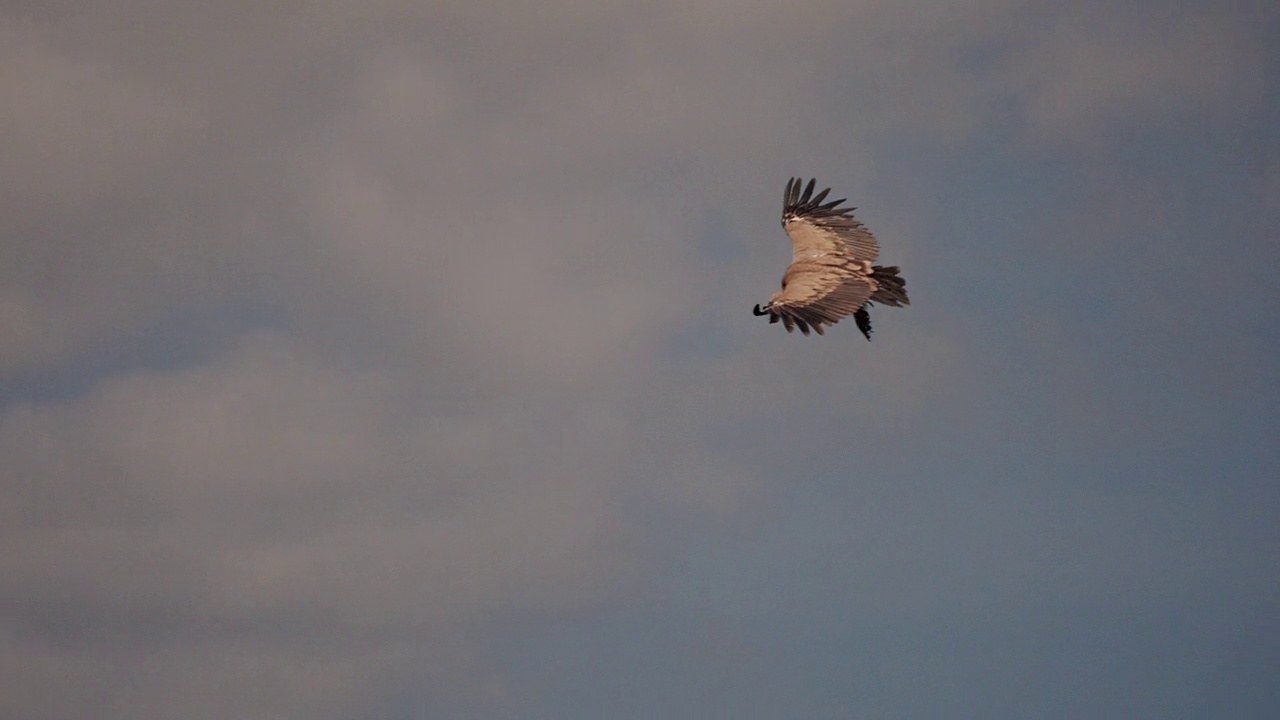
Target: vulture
<point x="831" y="275"/>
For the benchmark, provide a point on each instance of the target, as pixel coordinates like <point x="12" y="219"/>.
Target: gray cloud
<point x="480" y="361"/>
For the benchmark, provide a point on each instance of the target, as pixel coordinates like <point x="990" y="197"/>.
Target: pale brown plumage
<point x="831" y="275"/>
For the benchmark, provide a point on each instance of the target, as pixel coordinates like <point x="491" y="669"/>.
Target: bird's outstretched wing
<point x="817" y="228"/>
<point x="830" y="276"/>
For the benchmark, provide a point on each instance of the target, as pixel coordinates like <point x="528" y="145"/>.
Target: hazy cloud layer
<point x="368" y="360"/>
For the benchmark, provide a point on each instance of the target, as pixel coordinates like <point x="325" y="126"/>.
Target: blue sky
<point x="369" y="360"/>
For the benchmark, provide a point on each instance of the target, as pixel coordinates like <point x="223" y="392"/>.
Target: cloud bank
<point x="356" y="358"/>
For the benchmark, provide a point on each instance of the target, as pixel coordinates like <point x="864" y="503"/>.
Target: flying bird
<point x="831" y="275"/>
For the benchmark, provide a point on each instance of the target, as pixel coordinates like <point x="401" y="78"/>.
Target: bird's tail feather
<point x="891" y="288"/>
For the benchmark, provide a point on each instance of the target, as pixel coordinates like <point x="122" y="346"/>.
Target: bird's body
<point x="832" y="275"/>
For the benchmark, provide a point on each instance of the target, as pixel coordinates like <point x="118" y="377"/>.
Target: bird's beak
<point x="758" y="312"/>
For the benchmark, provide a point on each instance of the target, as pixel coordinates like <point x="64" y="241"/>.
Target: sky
<point x="394" y="360"/>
